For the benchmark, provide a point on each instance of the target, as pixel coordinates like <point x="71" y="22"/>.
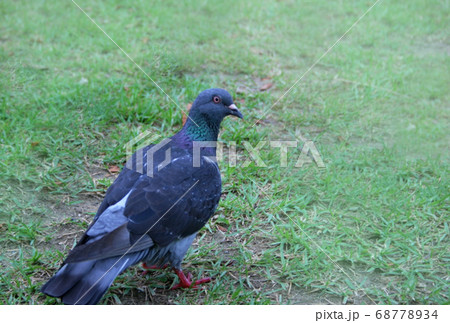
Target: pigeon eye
<point x="216" y="99"/>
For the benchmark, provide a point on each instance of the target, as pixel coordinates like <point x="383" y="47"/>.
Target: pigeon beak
<point x="234" y="111"/>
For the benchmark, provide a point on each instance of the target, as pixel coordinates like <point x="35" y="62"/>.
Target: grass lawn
<point x="372" y="226"/>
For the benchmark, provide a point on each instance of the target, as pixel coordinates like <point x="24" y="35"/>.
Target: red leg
<point x="186" y="282"/>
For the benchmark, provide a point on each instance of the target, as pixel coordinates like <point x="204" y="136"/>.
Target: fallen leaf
<point x="266" y="86"/>
<point x="221" y="228"/>
<point x="114" y="169"/>
<point x="189" y="105"/>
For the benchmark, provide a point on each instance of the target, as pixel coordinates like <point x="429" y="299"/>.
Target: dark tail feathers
<point x="84" y="283"/>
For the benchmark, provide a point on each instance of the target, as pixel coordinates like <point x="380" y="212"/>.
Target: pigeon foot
<point x="186" y="281"/>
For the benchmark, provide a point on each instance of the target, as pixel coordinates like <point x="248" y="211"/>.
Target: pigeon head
<point x="214" y="104"/>
<point x="207" y="112"/>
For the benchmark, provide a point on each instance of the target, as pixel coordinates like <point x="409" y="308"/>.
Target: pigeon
<point x="154" y="209"/>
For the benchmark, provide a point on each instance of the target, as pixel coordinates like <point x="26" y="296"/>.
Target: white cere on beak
<point x="233" y="107"/>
